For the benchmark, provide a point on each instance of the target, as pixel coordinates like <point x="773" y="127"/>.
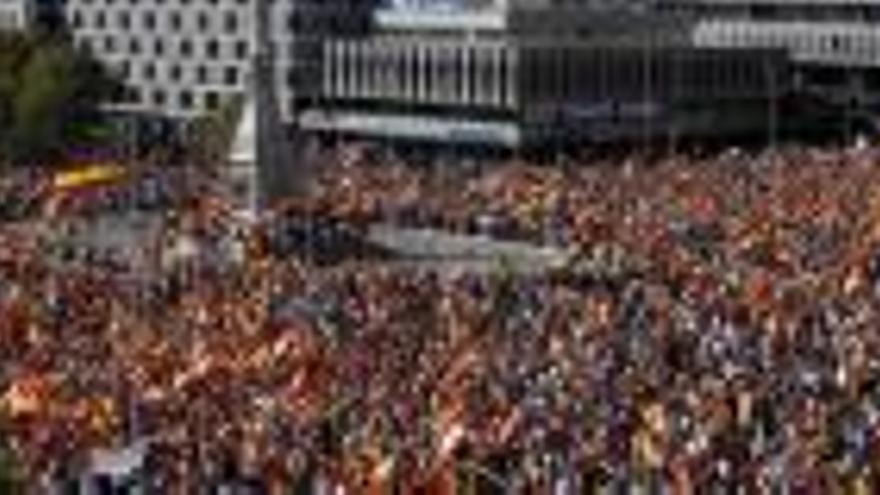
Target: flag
<point x="451" y="437"/>
<point x="197" y="370"/>
<point x="102" y="415"/>
<point x="443" y="480"/>
<point x="87" y="176"/>
<point x="681" y="481"/>
<point x="380" y="480"/>
<point x="21" y="400"/>
<point x="508" y="426"/>
<point x="25" y="397"/>
<point x="853" y="281"/>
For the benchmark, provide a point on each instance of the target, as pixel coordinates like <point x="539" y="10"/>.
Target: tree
<point x="7" y="471"/>
<point x="39" y="108"/>
<point x="48" y="91"/>
<point x="210" y="136"/>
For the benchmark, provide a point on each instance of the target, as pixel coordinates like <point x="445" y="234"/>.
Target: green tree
<point x="7" y="471"/>
<point x="39" y="108"/>
<point x="210" y="136"/>
<point x="48" y="91"/>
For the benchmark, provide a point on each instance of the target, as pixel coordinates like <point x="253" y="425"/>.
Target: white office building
<point x="180" y="58"/>
<point x="513" y="73"/>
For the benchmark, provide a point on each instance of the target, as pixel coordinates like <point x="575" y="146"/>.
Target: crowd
<point x="717" y="334"/>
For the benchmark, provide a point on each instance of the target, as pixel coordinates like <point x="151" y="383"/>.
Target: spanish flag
<point x="25" y="397"/>
<point x="381" y="478"/>
<point x="91" y="175"/>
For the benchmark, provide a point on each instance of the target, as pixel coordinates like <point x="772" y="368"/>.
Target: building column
<point x="442" y="63"/>
<point x="346" y="82"/>
<point x="404" y="62"/>
<point x="368" y="68"/>
<point x="392" y="62"/>
<point x="360" y="80"/>
<point x="479" y="60"/>
<point x="422" y="70"/>
<point x="512" y="76"/>
<point x="328" y="70"/>
<point x="435" y="83"/>
<point x="498" y="71"/>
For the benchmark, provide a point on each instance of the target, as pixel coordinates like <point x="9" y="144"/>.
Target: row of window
<point x="574" y="74"/>
<point x="186" y="48"/>
<point x="202" y="74"/>
<point x="148" y="72"/>
<point x="184" y="100"/>
<point x="183" y="3"/>
<point x="229" y="22"/>
<point x="179" y="2"/>
<point x="149" y="21"/>
<point x="157" y="2"/>
<point x="465" y="74"/>
<point x="783" y="11"/>
<point x="802" y="43"/>
<point x="159" y="47"/>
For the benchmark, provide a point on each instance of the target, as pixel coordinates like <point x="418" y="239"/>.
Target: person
<point x="731" y="346"/>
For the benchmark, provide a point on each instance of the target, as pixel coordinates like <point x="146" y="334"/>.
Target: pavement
<point x="412" y="248"/>
<point x="431" y="247"/>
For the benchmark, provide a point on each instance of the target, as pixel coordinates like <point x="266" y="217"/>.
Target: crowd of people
<point x="717" y="332"/>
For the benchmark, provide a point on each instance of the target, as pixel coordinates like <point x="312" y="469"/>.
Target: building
<point x="181" y="58"/>
<point x="834" y="44"/>
<point x="16" y="15"/>
<point x="510" y="73"/>
<point x="534" y="73"/>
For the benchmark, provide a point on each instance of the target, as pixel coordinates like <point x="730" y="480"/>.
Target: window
<point x="186" y="100"/>
<point x="212" y="100"/>
<point x="202" y="74"/>
<point x="124" y="69"/>
<point x="134" y="95"/>
<point x="85" y="44"/>
<point x="230" y="76"/>
<point x="159" y="97"/>
<point x="241" y="49"/>
<point x="175" y="21"/>
<point x="149" y="21"/>
<point x="203" y="22"/>
<point x="230" y="23"/>
<point x="212" y="49"/>
<point x="149" y="72"/>
<point x="186" y="48"/>
<point x="294" y="22"/>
